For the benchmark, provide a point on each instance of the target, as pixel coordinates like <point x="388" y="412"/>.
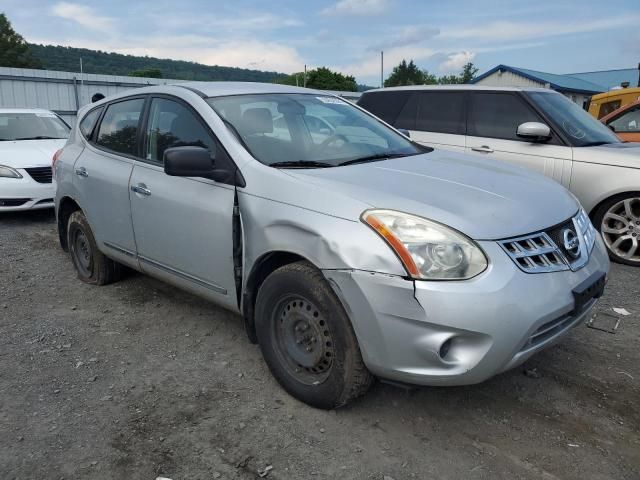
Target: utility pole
<point x="81" y="79"/>
<point x="381" y="69"/>
<point x="305" y="76"/>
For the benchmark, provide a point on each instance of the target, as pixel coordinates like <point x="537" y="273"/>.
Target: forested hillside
<point x="95" y="61"/>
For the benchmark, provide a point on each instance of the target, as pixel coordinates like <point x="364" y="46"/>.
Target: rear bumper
<point x="459" y="333"/>
<point x="18" y="194"/>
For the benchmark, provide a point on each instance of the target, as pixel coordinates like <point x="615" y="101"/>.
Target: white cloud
<point x="357" y="7"/>
<point x="455" y="62"/>
<point x="83" y="15"/>
<point x="370" y="67"/>
<point x="507" y="30"/>
<point x="408" y="35"/>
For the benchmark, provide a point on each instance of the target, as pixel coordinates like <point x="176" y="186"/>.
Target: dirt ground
<point x="137" y="380"/>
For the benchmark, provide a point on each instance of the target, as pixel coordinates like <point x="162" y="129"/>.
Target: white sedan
<point x="28" y="140"/>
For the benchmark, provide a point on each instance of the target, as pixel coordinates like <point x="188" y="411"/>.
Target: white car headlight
<point x="427" y="249"/>
<point x="9" y="172"/>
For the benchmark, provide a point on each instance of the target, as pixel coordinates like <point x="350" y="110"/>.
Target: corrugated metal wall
<point x="66" y="92"/>
<point x="508" y="79"/>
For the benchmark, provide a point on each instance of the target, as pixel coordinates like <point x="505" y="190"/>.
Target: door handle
<point x="482" y="149"/>
<point x="141" y="189"/>
<point x="82" y="172"/>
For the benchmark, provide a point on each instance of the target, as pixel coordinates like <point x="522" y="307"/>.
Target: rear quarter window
<point x="89" y="121"/>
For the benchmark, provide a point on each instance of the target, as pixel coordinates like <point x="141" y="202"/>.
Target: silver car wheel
<point x="621" y="229"/>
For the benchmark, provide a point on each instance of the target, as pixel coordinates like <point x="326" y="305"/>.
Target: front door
<point x="102" y="177"/>
<point x="183" y="226"/>
<point x="492" y="121"/>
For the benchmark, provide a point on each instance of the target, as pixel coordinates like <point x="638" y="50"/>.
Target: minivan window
<point x="170" y="125"/>
<point x="580" y="128"/>
<point x="89" y="121"/>
<point x="498" y="115"/>
<point x="118" y="130"/>
<point x="278" y="128"/>
<point x="441" y="112"/>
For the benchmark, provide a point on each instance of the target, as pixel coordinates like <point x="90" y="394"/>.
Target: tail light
<point x="54" y="160"/>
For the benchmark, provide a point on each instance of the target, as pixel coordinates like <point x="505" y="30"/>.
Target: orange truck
<point x="605" y="103"/>
<point x="625" y="121"/>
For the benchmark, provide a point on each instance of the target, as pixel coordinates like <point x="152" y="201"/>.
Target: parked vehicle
<point x="28" y="139"/>
<point x="625" y="122"/>
<point x="603" y="104"/>
<point x="349" y="250"/>
<point x="535" y="128"/>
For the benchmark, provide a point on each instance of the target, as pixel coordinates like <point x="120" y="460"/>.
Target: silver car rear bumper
<point x="459" y="333"/>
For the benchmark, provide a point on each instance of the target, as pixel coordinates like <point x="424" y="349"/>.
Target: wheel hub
<point x="304" y="339"/>
<point x="621" y="229"/>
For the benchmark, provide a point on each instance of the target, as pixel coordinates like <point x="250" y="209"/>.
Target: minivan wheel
<point x="90" y="263"/>
<point x="307" y="340"/>
<point x="618" y="220"/>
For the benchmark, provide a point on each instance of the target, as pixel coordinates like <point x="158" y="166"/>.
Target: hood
<point x="29" y="153"/>
<point x="618" y="154"/>
<point x="482" y="198"/>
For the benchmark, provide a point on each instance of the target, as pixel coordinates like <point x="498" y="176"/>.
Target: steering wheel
<point x="333" y="138"/>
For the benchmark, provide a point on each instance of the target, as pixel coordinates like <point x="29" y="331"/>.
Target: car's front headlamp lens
<point x="428" y="250"/>
<point x="9" y="172"/>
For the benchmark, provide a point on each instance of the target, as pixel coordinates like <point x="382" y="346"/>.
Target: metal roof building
<point x="576" y="86"/>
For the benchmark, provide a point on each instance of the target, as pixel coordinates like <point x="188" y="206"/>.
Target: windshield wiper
<point x="301" y="164"/>
<point x="376" y="157"/>
<point x="40" y="137"/>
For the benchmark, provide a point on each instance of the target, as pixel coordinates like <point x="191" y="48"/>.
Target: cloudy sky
<point x="557" y="36"/>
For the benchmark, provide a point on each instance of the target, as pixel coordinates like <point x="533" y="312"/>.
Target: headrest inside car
<point x="257" y="120"/>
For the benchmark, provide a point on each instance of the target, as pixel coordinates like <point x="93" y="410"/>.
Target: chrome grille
<point x="40" y="174"/>
<point x="546" y="251"/>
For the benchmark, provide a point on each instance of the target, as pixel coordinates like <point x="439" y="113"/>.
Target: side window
<point x="628" y="122"/>
<point x="385" y="105"/>
<point x="119" y="127"/>
<point x="89" y="121"/>
<point x="607" y="108"/>
<point x="498" y="115"/>
<point x="441" y="112"/>
<point x="171" y="124"/>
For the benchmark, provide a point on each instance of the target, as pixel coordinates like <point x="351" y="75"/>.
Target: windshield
<point x="32" y="126"/>
<point x="306" y="130"/>
<point x="580" y="128"/>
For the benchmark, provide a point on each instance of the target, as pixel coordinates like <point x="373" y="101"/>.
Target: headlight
<point x="9" y="172"/>
<point x="428" y="250"/>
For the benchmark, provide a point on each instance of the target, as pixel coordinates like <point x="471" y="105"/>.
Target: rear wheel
<point x="618" y="219"/>
<point x="90" y="263"/>
<point x="307" y="340"/>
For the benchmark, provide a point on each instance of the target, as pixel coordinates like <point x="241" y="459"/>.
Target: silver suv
<point x="349" y="250"/>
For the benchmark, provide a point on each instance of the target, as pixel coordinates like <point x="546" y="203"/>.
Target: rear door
<point x="440" y="119"/>
<point x="492" y="121"/>
<point x="183" y="226"/>
<point x="102" y="177"/>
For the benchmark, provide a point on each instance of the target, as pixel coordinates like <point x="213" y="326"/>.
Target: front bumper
<point x="18" y="194"/>
<point x="460" y="333"/>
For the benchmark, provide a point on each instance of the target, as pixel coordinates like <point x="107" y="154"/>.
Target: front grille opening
<point x="13" y="202"/>
<point x="41" y="174"/>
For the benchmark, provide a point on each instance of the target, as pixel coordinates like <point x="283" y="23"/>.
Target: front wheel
<point x="307" y="340"/>
<point x="618" y="219"/>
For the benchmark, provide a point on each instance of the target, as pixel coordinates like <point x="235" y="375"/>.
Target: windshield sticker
<point x="332" y="100"/>
<point x="45" y="115"/>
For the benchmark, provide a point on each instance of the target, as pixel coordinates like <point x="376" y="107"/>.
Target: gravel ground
<point x="136" y="380"/>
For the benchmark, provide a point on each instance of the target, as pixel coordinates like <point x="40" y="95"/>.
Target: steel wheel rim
<point x="302" y="340"/>
<point x="82" y="252"/>
<point x="620" y="229"/>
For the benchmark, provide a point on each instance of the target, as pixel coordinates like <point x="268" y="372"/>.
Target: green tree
<point x="147" y="72"/>
<point x="405" y="74"/>
<point x="14" y="51"/>
<point x="429" y="78"/>
<point x="323" y="79"/>
<point x="466" y="75"/>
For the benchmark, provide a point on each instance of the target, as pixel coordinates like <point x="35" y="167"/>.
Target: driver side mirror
<point x="534" y="131"/>
<point x="192" y="162"/>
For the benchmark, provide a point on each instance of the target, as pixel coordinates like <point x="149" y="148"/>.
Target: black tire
<point x="333" y="373"/>
<point x="91" y="264"/>
<point x="630" y="223"/>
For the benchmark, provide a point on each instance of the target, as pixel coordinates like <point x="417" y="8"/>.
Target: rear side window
<point x="388" y="106"/>
<point x="89" y="121"/>
<point x="441" y="112"/>
<point x="607" y="108"/>
<point x="498" y="115"/>
<point x="118" y="130"/>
